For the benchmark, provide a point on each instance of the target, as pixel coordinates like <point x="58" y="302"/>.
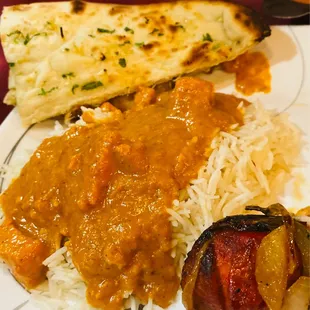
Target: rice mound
<point x="250" y="165"/>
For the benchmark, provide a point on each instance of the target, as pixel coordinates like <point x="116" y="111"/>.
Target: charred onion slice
<point x="278" y="210"/>
<point x="272" y="267"/>
<point x="226" y="276"/>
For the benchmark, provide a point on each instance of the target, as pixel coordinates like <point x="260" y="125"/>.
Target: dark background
<point x="4" y="110"/>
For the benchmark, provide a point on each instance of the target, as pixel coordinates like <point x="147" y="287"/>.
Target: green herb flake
<point x="122" y="62"/>
<point x="207" y="37"/>
<point x="16" y="32"/>
<point x="178" y="25"/>
<point x="27" y="38"/>
<point x="74" y="87"/>
<point x="91" y="85"/>
<point x="67" y="49"/>
<point x="127" y="29"/>
<point x="50" y="25"/>
<point x="102" y="30"/>
<point x="139" y="44"/>
<point x="45" y="92"/>
<point x="91" y="35"/>
<point x="216" y="46"/>
<point x="154" y="31"/>
<point x="147" y="20"/>
<point x="126" y="42"/>
<point x="160" y="34"/>
<point x="66" y="75"/>
<point x="18" y="36"/>
<point x="11" y="64"/>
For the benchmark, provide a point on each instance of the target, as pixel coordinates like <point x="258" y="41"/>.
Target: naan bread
<point x="67" y="54"/>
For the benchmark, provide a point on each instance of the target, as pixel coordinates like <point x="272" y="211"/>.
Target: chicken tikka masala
<point x="103" y="189"/>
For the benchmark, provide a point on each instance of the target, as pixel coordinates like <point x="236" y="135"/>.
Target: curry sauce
<point x="252" y="72"/>
<point x="106" y="187"/>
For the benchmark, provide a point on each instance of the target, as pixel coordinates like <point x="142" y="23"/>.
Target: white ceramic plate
<point x="288" y="50"/>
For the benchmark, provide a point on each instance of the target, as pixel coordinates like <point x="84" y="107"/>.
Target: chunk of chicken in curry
<point x="106" y="187"/>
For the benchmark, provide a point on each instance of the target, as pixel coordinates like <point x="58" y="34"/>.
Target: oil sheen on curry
<point x="103" y="190"/>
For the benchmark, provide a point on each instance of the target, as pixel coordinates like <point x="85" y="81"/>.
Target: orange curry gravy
<point x="106" y="187"/>
<point x="252" y="72"/>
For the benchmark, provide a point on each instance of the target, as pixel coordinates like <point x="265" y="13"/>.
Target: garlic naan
<point x="67" y="54"/>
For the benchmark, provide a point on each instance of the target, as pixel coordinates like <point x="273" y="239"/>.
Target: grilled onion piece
<point x="302" y="237"/>
<point x="223" y="263"/>
<point x="298" y="295"/>
<point x="272" y="267"/>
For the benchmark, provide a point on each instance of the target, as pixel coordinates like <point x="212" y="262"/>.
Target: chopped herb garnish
<point x="18" y="36"/>
<point x="139" y="44"/>
<point x="14" y="32"/>
<point x="50" y="25"/>
<point x="40" y="34"/>
<point x="45" y="92"/>
<point x="92" y="85"/>
<point x="216" y="46"/>
<point x="160" y="34"/>
<point x="11" y="64"/>
<point x="66" y="75"/>
<point x="27" y="39"/>
<point x="74" y="87"/>
<point x="207" y="37"/>
<point x="122" y="62"/>
<point x="102" y="57"/>
<point x="102" y="30"/>
<point x="67" y="49"/>
<point x="61" y="32"/>
<point x="146" y="20"/>
<point x="91" y="35"/>
<point x="154" y="31"/>
<point x="116" y="53"/>
<point x="126" y="42"/>
<point x="178" y="25"/>
<point x="127" y="29"/>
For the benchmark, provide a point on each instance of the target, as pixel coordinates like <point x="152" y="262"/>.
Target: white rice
<point x="250" y="165"/>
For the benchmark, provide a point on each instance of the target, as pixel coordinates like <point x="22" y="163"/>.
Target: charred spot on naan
<point x="118" y="10"/>
<point x="197" y="54"/>
<point x="162" y="19"/>
<point x="78" y="6"/>
<point x="251" y="21"/>
<point x="150" y="46"/>
<point x="122" y="38"/>
<point x="21" y="7"/>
